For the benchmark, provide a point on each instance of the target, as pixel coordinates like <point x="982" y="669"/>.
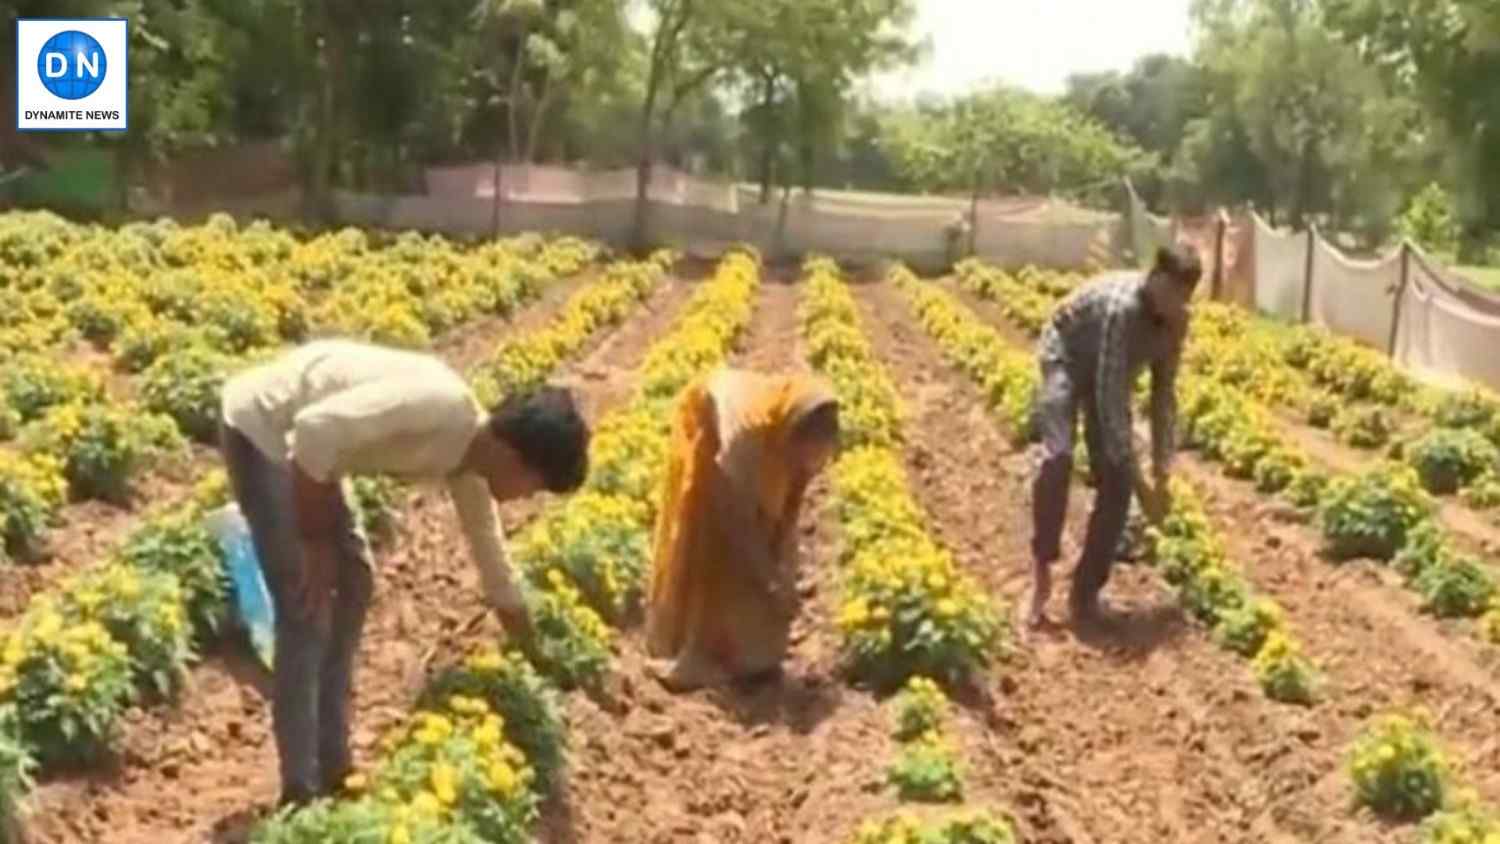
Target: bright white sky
<point x="1034" y="44"/>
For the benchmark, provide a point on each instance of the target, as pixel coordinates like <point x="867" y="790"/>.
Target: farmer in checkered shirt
<point x="1091" y="351"/>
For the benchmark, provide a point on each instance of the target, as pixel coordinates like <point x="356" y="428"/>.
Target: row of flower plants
<point x="927" y="769"/>
<point x="1383" y="512"/>
<point x="907" y="609"/>
<point x="145" y="288"/>
<point x="74" y="441"/>
<point x="1400" y="772"/>
<point x="1450" y="437"/>
<point x="487" y="742"/>
<point x="908" y="616"/>
<point x="126" y="631"/>
<point x="1192" y="556"/>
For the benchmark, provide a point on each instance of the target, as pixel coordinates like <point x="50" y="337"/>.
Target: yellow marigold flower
<point x="947" y="608"/>
<point x="76" y="683"/>
<point x="443" y="777"/>
<point x="427" y="803"/>
<point x="399" y="834"/>
<point x="356" y="782"/>
<point x="503" y="779"/>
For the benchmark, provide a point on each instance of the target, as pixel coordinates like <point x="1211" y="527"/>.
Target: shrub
<point x="1244" y="629"/>
<point x="1370" y="515"/>
<point x="1307" y="487"/>
<point x="927" y="770"/>
<point x="1322" y="407"/>
<point x="32" y="489"/>
<point x="1484" y="492"/>
<point x="533" y="719"/>
<point x="1464" y="409"/>
<point x="1398" y="769"/>
<point x="600" y="542"/>
<point x="143" y="611"/>
<point x="374" y="505"/>
<point x="186" y="385"/>
<point x="920" y="707"/>
<point x="360" y="821"/>
<point x="33" y="384"/>
<point x="67" y="684"/>
<point x="1447" y="458"/>
<point x="1214" y="592"/>
<point x="180" y="545"/>
<point x="103" y="445"/>
<point x="1465" y="823"/>
<point x="1284" y="674"/>
<point x="1363" y="427"/>
<point x="1489" y="625"/>
<point x="573" y="641"/>
<point x="16" y="767"/>
<point x="1455" y="587"/>
<point x="966" y="828"/>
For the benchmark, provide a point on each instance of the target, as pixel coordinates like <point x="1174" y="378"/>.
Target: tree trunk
<point x="644" y="163"/>
<point x="1302" y="213"/>
<point x="534" y="131"/>
<point x="514" y="106"/>
<point x="768" y="148"/>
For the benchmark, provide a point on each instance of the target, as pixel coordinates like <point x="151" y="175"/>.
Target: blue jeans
<point x="314" y="669"/>
<point x="1058" y="403"/>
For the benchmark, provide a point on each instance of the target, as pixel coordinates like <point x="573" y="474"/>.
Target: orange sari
<point x="708" y="611"/>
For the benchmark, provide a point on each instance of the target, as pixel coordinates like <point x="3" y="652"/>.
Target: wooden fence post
<point x="1307" y="276"/>
<point x="1390" y="347"/>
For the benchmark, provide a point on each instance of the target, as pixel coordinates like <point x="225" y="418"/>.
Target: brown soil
<point x="205" y="769"/>
<point x="1375" y="649"/>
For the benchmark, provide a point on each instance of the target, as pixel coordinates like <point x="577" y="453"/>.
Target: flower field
<point x="1305" y="650"/>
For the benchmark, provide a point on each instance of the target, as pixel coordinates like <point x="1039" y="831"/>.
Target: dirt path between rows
<point x="790" y="760"/>
<point x="205" y="769"/>
<point x="1148" y="732"/>
<point x="1376" y="650"/>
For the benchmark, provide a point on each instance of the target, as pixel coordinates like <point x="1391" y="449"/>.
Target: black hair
<point x="546" y="429"/>
<point x="1181" y="263"/>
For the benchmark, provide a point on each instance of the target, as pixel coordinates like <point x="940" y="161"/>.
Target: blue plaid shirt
<point x="1104" y="333"/>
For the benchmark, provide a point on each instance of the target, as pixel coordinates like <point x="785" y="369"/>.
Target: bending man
<point x="1091" y="352"/>
<point x="292" y="429"/>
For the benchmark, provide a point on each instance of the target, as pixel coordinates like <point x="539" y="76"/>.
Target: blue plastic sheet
<point x="252" y="606"/>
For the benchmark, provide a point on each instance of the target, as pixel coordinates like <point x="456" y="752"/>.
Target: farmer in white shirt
<point x="292" y="429"/>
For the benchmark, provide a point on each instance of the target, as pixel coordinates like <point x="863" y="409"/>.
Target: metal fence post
<point x="1390" y="347"/>
<point x="1221" y="225"/>
<point x="1307" y="275"/>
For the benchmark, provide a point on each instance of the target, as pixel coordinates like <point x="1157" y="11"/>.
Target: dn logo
<point x="71" y="65"/>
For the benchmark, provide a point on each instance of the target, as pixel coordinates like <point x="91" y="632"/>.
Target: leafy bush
<point x="533" y="718"/>
<point x="1322" y="407"/>
<point x="374" y="505"/>
<point x="600" y="542"/>
<point x="927" y="770"/>
<point x="32" y="489"/>
<point x="1431" y="221"/>
<point x="143" y="611"/>
<point x="1455" y="587"/>
<point x="33" y="384"/>
<point x="359" y="822"/>
<point x="1370" y="515"/>
<point x="103" y="445"/>
<point x="16" y="767"/>
<point x="1470" y="408"/>
<point x="574" y="642"/>
<point x="1448" y="458"/>
<point x="1398" y="769"/>
<point x="67" y="684"/>
<point x="186" y="385"/>
<point x="1466" y="823"/>
<point x="1307" y="487"/>
<point x="1363" y="427"/>
<point x="178" y="544"/>
<point x="1276" y="470"/>
<point x="966" y="828"/>
<point x="1244" y="629"/>
<point x="1284" y="674"/>
<point x="920" y="707"/>
<point x="1484" y="492"/>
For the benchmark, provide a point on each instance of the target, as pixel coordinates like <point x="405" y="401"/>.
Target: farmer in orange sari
<point x="744" y="448"/>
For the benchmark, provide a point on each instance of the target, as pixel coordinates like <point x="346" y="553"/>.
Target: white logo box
<point x="107" y="109"/>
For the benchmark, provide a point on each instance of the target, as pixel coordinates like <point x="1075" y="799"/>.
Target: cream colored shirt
<point x="340" y="407"/>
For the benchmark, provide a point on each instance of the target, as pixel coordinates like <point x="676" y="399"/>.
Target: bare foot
<point x="684" y="675"/>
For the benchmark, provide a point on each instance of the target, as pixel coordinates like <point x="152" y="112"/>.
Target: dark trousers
<point x="1059" y="401"/>
<point x="314" y="668"/>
